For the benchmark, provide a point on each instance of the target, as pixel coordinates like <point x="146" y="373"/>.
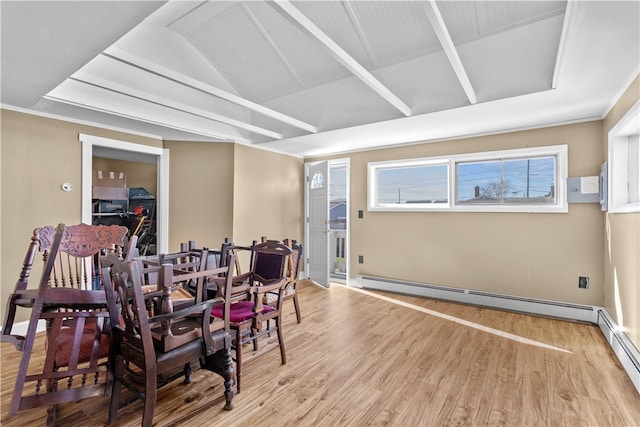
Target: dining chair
<point x="187" y="260"/>
<point x="149" y="352"/>
<point x="250" y="318"/>
<point x="242" y="268"/>
<point x="293" y="271"/>
<point x="70" y="301"/>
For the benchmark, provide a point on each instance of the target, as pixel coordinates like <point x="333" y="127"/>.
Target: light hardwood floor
<point x="365" y="359"/>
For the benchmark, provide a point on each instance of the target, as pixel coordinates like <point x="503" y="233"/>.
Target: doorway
<point x="327" y="225"/>
<point x="122" y="150"/>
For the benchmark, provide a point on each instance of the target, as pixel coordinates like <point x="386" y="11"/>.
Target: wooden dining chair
<point x="149" y="352"/>
<point x="70" y="300"/>
<point x="187" y="260"/>
<point x="293" y="271"/>
<point x="250" y="318"/>
<point x="242" y="268"/>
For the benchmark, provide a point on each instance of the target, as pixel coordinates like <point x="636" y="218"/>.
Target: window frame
<point x="559" y="152"/>
<point x="372" y="193"/>
<point x="618" y="162"/>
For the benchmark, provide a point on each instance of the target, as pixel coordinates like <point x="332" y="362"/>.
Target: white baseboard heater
<point x="622" y="347"/>
<point x="583" y="313"/>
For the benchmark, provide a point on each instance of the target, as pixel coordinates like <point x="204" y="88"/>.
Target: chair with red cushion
<point x="250" y="318"/>
<point x="70" y="300"/>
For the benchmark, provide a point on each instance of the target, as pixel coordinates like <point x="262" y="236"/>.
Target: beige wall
<point x="622" y="244"/>
<point x="200" y="192"/>
<point x="38" y="155"/>
<point x="268" y="195"/>
<point x="223" y="190"/>
<point x="532" y="255"/>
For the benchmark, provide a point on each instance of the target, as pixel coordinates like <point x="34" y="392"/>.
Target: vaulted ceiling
<point x="318" y="77"/>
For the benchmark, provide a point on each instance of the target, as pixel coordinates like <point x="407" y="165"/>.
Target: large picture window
<point x="520" y="180"/>
<point x="528" y="180"/>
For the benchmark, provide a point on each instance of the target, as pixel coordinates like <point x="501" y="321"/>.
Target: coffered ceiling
<point x="318" y="77"/>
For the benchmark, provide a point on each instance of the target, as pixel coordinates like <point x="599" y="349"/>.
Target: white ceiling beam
<point x="122" y="111"/>
<point x="568" y="14"/>
<point x="162" y="71"/>
<point x="435" y="18"/>
<point x="343" y="57"/>
<point x="158" y="100"/>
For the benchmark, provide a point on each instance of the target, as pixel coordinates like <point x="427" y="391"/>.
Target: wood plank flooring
<point x="374" y="359"/>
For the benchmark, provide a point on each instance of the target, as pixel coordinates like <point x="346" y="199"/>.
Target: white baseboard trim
<point x="623" y="348"/>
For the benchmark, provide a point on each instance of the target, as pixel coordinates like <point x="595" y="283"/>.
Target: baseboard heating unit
<point x="582" y="313"/>
<point x="622" y="347"/>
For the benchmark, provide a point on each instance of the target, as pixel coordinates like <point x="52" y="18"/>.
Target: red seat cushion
<point x="239" y="311"/>
<point x="65" y="345"/>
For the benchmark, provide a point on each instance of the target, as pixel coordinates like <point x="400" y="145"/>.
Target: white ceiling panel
<point x="396" y="31"/>
<point x="235" y="45"/>
<point x="495" y="16"/>
<point x="339" y="22"/>
<point x="511" y="63"/>
<point x="307" y="59"/>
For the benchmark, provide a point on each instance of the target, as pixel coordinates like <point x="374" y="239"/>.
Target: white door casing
<point x="162" y="164"/>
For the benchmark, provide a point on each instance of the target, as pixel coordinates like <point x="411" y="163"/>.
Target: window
<point x="317" y="182"/>
<point x="528" y="180"/>
<point x="418" y="184"/>
<point x="521" y="180"/>
<point x="624" y="163"/>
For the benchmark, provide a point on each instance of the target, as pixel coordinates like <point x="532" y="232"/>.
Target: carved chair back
<point x="70" y="300"/>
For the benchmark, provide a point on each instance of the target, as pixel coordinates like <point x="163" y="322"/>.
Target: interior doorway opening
<point x="94" y="146"/>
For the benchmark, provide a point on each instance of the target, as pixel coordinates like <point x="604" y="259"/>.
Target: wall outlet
<point x="360" y="259"/>
<point x="583" y="282"/>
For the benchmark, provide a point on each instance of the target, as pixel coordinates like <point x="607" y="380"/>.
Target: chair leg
<point x="187" y="373"/>
<point x="52" y="386"/>
<point x="221" y="363"/>
<point x="150" y="394"/>
<point x="297" y="307"/>
<point x="255" y="340"/>
<point x="228" y="378"/>
<point x="283" y="356"/>
<point x="238" y="360"/>
<point x="25" y="358"/>
<point x="116" y="387"/>
<point x="51" y="415"/>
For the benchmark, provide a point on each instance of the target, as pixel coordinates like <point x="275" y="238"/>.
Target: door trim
<point x="162" y="165"/>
